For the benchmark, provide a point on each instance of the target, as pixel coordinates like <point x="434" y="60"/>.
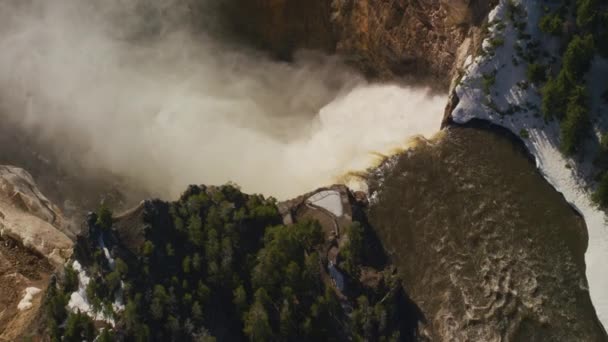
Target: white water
<point x="543" y="141"/>
<point x="106" y="252"/>
<point x="171" y="108"/>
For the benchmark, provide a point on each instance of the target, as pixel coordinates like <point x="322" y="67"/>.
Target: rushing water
<point x="130" y="88"/>
<point x="487" y="248"/>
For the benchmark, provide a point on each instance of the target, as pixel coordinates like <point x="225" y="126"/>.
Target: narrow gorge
<point x="364" y="170"/>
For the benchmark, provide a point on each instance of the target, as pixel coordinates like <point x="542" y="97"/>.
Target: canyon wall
<point x="32" y="246"/>
<point x="413" y="39"/>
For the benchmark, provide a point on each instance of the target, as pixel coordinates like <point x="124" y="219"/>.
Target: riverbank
<point x="491" y="89"/>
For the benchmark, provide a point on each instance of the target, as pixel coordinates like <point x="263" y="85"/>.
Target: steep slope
<point x="27" y="216"/>
<point x="387" y="39"/>
<point x="32" y="246"/>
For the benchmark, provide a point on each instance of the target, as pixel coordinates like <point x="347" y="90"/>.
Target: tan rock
<point x="32" y="246"/>
<point x="29" y="217"/>
<point x="386" y="39"/>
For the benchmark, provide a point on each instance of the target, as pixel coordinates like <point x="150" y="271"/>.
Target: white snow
<point x="118" y="304"/>
<point x="79" y="301"/>
<point x="26" y="301"/>
<point x="329" y="200"/>
<point x="543" y="141"/>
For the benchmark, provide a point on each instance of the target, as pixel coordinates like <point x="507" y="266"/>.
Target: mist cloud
<point x="128" y="86"/>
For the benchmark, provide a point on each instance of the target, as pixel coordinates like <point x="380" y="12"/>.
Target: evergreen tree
<point x="552" y="24"/>
<point x="196" y="262"/>
<point x="197" y="312"/>
<point x="586" y="12"/>
<point x="105" y="336"/>
<point x="148" y="248"/>
<point x="121" y="267"/>
<point x="71" y="279"/>
<point x="79" y="327"/>
<point x="577" y="58"/>
<point x="256" y="325"/>
<point x="240" y="299"/>
<point x="195" y="230"/>
<point x="104" y="218"/>
<point x="555" y="97"/>
<point x="159" y="302"/>
<point x="574" y="126"/>
<point x="186" y="265"/>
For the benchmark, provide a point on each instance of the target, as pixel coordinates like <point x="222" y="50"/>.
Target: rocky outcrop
<point x="27" y="216"/>
<point x="419" y="39"/>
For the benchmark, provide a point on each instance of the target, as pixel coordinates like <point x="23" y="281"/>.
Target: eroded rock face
<point x="486" y="248"/>
<point x="32" y="246"/>
<point x="27" y="216"/>
<point x="386" y="39"/>
<point x="18" y="187"/>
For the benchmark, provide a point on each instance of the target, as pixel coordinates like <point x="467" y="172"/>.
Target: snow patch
<point x="26" y="301"/>
<point x="79" y="300"/>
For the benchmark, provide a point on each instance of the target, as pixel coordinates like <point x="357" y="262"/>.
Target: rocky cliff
<point x="32" y="245"/>
<point x="417" y="39"/>
<point x="27" y="216"/>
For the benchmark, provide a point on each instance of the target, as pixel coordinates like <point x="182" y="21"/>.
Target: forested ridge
<point x="219" y="265"/>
